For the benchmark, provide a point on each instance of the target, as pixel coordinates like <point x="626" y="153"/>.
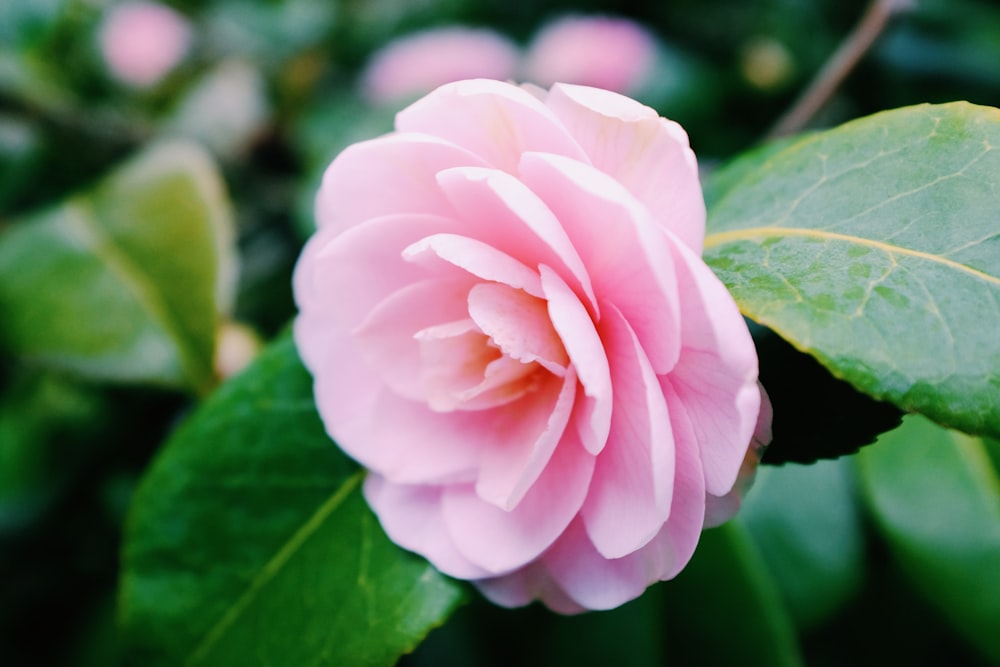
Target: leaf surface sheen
<point x="875" y="247"/>
<point x="249" y="542"/>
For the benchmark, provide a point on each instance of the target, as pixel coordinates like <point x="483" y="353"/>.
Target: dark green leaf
<point x="249" y="542"/>
<point x="125" y="282"/>
<point x="806" y="525"/>
<point x="811" y="425"/>
<point x="725" y="609"/>
<point x="875" y="247"/>
<point x="936" y="497"/>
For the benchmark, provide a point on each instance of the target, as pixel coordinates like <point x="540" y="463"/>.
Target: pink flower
<point x="142" y="41"/>
<point x="419" y="63"/>
<point x="611" y="53"/>
<point x="509" y="324"/>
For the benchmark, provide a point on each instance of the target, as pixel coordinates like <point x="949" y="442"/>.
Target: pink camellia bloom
<point x="509" y="324"/>
<point x="417" y="64"/>
<point x="142" y="41"/>
<point x="611" y="53"/>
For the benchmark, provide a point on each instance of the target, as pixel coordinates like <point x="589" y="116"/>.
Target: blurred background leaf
<point x="936" y="497"/>
<point x="125" y="282"/>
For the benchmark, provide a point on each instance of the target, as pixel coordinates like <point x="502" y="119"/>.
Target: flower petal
<point x="631" y="491"/>
<point x="591" y="580"/>
<point x="508" y="471"/>
<point x="518" y="324"/>
<point x="364" y="265"/>
<point x="586" y="352"/>
<point x="388" y="336"/>
<point x="716" y="377"/>
<point x="649" y="155"/>
<point x="595" y="582"/>
<point x="501" y="541"/>
<point x="491" y="119"/>
<point x="385" y="176"/>
<point x="475" y="257"/>
<point x="626" y="254"/>
<point x="531" y="582"/>
<point x="719" y="509"/>
<point x="503" y="213"/>
<point x="411" y="515"/>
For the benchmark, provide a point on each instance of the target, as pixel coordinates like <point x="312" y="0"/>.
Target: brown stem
<point x="840" y="64"/>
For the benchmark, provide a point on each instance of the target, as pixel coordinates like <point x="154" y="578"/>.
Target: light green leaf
<point x="249" y="542"/>
<point x="727" y="592"/>
<point x="876" y="247"/>
<point x="805" y="523"/>
<point x="936" y="497"/>
<point x="125" y="282"/>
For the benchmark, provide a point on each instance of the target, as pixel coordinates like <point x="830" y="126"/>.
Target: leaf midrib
<point x="271" y="569"/>
<point x="721" y="238"/>
<point x="80" y="214"/>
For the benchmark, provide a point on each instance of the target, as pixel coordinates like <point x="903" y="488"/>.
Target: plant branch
<point x="840" y="64"/>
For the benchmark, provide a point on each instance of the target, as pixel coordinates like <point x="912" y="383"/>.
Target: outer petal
<point x="626" y="254"/>
<point x="531" y="582"/>
<point x="631" y="493"/>
<point x="647" y="154"/>
<point x="316" y="316"/>
<point x="491" y="119"/>
<point x="385" y="176"/>
<point x="586" y="352"/>
<point x="360" y="267"/>
<point x="719" y="509"/>
<point x="716" y="377"/>
<point x="592" y="581"/>
<point x="411" y="516"/>
<point x="502" y="541"/>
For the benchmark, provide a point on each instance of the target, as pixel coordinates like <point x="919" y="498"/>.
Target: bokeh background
<point x="272" y="91"/>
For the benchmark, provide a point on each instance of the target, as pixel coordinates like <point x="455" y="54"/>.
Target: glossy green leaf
<point x="876" y="247"/>
<point x="724" y="608"/>
<point x="936" y="498"/>
<point x="805" y="522"/>
<point x="249" y="542"/>
<point x="125" y="282"/>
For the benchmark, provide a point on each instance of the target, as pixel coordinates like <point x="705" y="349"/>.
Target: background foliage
<point x="111" y="376"/>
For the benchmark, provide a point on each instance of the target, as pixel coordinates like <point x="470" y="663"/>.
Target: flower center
<point x="463" y="369"/>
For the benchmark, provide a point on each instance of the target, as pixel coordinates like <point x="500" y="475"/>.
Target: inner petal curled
<point x="464" y="370"/>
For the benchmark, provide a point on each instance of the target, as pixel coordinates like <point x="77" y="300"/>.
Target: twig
<point x="840" y="64"/>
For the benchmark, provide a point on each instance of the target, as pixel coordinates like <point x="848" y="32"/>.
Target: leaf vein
<point x="272" y="567"/>
<point x="721" y="238"/>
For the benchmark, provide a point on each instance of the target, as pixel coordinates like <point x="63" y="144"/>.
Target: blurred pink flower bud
<point x="142" y="41"/>
<point x="416" y="64"/>
<point x="601" y="51"/>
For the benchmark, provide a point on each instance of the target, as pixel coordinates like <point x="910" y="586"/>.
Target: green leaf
<point x="125" y="282"/>
<point x="805" y="523"/>
<point x="936" y="498"/>
<point x="727" y="592"/>
<point x="249" y="542"/>
<point x="811" y="424"/>
<point x="876" y="248"/>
